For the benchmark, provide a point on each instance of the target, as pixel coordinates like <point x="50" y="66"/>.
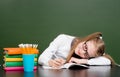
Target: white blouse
<point x="60" y="47"/>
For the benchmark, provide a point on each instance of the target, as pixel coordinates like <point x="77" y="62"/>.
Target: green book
<point x="17" y="56"/>
<point x="15" y="64"/>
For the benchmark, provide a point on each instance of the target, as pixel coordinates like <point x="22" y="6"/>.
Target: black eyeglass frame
<point x="86" y="54"/>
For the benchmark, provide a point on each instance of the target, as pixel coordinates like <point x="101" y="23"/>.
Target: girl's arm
<point x="94" y="61"/>
<point x="51" y="50"/>
<point x="99" y="61"/>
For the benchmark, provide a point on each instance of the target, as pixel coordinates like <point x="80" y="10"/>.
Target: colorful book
<point x="12" y="51"/>
<point x="17" y="56"/>
<point x="15" y="59"/>
<point x="15" y="64"/>
<point x="16" y="68"/>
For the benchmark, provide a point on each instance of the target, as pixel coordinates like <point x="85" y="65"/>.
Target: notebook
<point x="72" y="66"/>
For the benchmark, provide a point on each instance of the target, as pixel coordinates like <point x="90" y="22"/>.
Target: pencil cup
<point x="28" y="62"/>
<point x="29" y="74"/>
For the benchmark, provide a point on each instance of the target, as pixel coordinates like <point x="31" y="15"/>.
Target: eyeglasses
<point x="85" y="48"/>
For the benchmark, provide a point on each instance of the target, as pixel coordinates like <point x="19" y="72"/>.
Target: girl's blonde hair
<point x="99" y="43"/>
<point x="113" y="63"/>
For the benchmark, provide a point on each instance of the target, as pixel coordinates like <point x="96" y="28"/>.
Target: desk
<point x="93" y="71"/>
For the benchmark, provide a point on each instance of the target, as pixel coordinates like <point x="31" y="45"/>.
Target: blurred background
<point x="40" y="21"/>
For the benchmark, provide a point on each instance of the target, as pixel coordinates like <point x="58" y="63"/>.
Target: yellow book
<point x="15" y="59"/>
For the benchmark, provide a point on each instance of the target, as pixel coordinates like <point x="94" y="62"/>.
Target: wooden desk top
<point x="93" y="71"/>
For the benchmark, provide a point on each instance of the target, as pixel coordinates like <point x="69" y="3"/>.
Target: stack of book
<point x="13" y="59"/>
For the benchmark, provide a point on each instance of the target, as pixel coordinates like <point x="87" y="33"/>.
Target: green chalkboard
<point x="39" y="21"/>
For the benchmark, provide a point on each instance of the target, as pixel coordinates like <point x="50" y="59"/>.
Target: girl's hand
<point x="56" y="63"/>
<point x="78" y="61"/>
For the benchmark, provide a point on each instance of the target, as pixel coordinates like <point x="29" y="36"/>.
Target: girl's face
<point x="86" y="49"/>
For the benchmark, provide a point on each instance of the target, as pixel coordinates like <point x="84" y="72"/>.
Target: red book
<point x="16" y="68"/>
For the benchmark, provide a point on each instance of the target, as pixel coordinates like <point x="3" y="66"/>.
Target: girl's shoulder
<point x="66" y="36"/>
